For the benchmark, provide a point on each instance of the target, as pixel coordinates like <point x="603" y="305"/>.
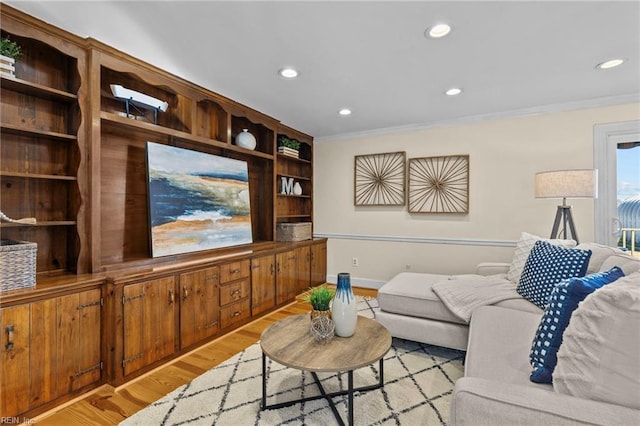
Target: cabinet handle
<point x="233" y="293"/>
<point x="9" y="345"/>
<point x="185" y="293"/>
<point x="172" y="297"/>
<point x="272" y="269"/>
<point x="235" y="271"/>
<point x="236" y="314"/>
<point x="278" y="267"/>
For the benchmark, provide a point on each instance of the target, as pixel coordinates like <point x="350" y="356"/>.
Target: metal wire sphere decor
<point x="322" y="329"/>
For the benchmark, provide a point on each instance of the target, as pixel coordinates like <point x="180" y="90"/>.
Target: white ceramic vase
<point x="246" y="140"/>
<point x="297" y="189"/>
<point x="343" y="310"/>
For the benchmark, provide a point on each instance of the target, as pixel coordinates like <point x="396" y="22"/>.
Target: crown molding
<point x="524" y="112"/>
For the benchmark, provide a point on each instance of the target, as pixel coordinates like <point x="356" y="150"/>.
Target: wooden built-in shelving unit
<point x="103" y="309"/>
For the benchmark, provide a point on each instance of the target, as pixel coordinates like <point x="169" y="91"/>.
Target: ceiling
<point x="509" y="57"/>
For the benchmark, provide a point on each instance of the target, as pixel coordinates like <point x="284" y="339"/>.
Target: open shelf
<point x="125" y="122"/>
<point x="39" y="224"/>
<point x="282" y="157"/>
<point x="37" y="176"/>
<point x="41" y="150"/>
<point x="29" y="88"/>
<point x="24" y="131"/>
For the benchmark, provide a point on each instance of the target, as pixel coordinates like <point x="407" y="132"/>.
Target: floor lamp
<point x="566" y="184"/>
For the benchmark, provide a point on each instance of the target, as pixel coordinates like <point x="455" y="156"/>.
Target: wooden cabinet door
<point x="263" y="284"/>
<point x="79" y="351"/>
<point x="49" y="349"/>
<point x="46" y="366"/>
<point x="14" y="324"/>
<point x="149" y="322"/>
<point x="303" y="268"/>
<point x="318" y="264"/>
<point x="286" y="287"/>
<point x="198" y="305"/>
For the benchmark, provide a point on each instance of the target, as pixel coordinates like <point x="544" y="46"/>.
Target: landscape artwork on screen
<point x="197" y="201"/>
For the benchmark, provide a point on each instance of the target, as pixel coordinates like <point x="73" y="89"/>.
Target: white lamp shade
<point x="567" y="184"/>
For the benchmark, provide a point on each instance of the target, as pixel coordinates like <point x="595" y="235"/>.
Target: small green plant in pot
<point x="9" y="52"/>
<point x="320" y="300"/>
<point x="10" y="48"/>
<point x="288" y="143"/>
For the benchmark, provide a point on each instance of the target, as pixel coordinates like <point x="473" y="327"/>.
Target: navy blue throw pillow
<point x="546" y="266"/>
<point x="564" y="299"/>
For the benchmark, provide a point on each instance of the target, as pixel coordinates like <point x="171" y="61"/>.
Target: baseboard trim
<point x="420" y="240"/>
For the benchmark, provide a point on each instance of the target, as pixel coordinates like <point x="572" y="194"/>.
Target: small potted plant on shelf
<point x="288" y="146"/>
<point x="9" y="52"/>
<point x="320" y="300"/>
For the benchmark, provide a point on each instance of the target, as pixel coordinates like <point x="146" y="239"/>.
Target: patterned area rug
<point x="418" y="383"/>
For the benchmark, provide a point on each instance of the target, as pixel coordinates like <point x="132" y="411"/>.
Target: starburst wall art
<point x="380" y="179"/>
<point x="439" y="184"/>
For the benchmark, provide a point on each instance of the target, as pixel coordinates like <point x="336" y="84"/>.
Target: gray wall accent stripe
<point x="420" y="240"/>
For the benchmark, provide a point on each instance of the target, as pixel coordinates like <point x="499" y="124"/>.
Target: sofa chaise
<point x="597" y="376"/>
<point x="411" y="309"/>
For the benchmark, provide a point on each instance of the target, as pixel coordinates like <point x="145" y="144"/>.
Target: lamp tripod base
<point x="564" y="215"/>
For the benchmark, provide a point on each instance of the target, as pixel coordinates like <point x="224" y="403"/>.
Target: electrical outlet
<point x="354" y="261"/>
<point x="407" y="266"/>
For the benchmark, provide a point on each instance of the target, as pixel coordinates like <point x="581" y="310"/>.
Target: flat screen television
<point x="197" y="201"/>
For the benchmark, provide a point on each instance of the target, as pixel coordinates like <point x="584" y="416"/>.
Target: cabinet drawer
<point x="234" y="271"/>
<point x="235" y="312"/>
<point x="233" y="292"/>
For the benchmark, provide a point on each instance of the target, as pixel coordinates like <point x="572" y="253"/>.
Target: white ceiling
<point x="510" y="56"/>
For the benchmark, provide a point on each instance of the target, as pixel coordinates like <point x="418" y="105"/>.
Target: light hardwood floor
<point x="108" y="405"/>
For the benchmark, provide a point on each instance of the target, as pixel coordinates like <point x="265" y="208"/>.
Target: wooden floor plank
<point x="109" y="406"/>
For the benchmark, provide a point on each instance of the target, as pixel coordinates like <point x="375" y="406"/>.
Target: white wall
<point x="504" y="155"/>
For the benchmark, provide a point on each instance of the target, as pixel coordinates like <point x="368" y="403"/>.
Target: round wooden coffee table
<point x="290" y="343"/>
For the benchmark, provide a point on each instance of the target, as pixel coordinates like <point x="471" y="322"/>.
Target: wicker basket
<point x="293" y="231"/>
<point x="17" y="264"/>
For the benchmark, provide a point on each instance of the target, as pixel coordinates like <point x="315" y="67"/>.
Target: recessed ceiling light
<point x="344" y="111"/>
<point x="288" y="73"/>
<point x="437" y="31"/>
<point x="453" y="91"/>
<point x="612" y="63"/>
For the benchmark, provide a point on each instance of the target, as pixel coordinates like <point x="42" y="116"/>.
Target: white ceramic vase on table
<point x="343" y="310"/>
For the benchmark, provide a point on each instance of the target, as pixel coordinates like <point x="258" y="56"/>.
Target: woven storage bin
<point x="17" y="264"/>
<point x="293" y="231"/>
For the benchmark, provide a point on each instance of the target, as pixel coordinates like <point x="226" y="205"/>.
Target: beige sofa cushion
<point x="499" y="346"/>
<point x="410" y="293"/>
<point x="523" y="248"/>
<point x="521" y="304"/>
<point x="628" y="264"/>
<point x="600" y="352"/>
<point x="599" y="253"/>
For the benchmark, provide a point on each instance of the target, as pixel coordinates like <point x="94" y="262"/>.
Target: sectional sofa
<point x="597" y="376"/>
